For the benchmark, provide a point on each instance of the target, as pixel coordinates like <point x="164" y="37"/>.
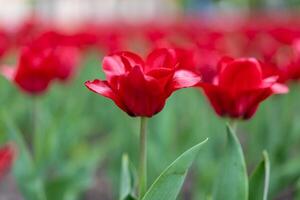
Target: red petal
<point x="142" y="95"/>
<point x="8" y="72"/>
<point x="7" y="154"/>
<point x="241" y="74"/>
<point x="278" y="88"/>
<point x="118" y="63"/>
<point x="185" y="78"/>
<point x="216" y="97"/>
<point x="160" y="73"/>
<point x="241" y="105"/>
<point x="102" y="88"/>
<point x="224" y="62"/>
<point x="161" y="58"/>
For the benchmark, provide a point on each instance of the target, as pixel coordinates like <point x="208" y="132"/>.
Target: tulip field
<point x="197" y="107"/>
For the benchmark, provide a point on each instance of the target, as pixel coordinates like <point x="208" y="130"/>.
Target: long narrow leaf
<point x="127" y="180"/>
<point x="168" y="185"/>
<point x="259" y="181"/>
<point x="232" y="182"/>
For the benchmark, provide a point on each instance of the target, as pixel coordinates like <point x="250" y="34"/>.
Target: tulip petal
<point x="224" y="62"/>
<point x="278" y="88"/>
<point x="142" y="95"/>
<point x="250" y="101"/>
<point x="118" y="63"/>
<point x="162" y="75"/>
<point x="216" y="97"/>
<point x="271" y="79"/>
<point x="8" y="72"/>
<point x="7" y="154"/>
<point x="184" y="78"/>
<point x="239" y="105"/>
<point x="113" y="66"/>
<point x="100" y="87"/>
<point x="161" y="58"/>
<point x="103" y="88"/>
<point x="241" y="74"/>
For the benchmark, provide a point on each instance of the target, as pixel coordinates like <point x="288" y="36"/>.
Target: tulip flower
<point x="141" y="87"/>
<point x="7" y="154"/>
<point x="293" y="68"/>
<point x="4" y="43"/>
<point x="41" y="62"/>
<point x="240" y="87"/>
<point x="138" y="87"/>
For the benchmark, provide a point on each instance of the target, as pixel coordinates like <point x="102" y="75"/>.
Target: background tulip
<point x="7" y="155"/>
<point x="41" y="61"/>
<point x="4" y="42"/>
<point x="240" y="87"/>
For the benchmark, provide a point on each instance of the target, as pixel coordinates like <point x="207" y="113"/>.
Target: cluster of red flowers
<point x="42" y="60"/>
<point x="267" y="52"/>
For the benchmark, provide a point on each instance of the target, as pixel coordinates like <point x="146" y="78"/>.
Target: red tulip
<point x="240" y="87"/>
<point x="138" y="87"/>
<point x="27" y="31"/>
<point x="292" y="66"/>
<point x="42" y="61"/>
<point x="7" y="154"/>
<point x="4" y="43"/>
<point x="200" y="61"/>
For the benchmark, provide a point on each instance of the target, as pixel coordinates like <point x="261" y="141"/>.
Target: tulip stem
<point x="34" y="117"/>
<point x="41" y="194"/>
<point x="142" y="184"/>
<point x="233" y="124"/>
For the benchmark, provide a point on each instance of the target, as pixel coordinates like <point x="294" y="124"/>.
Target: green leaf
<point x="232" y="182"/>
<point x="259" y="181"/>
<point x="130" y="197"/>
<point x="127" y="180"/>
<point x="167" y="186"/>
<point x="27" y="177"/>
<point x="298" y="189"/>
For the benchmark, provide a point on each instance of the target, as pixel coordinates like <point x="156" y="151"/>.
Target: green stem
<point x="41" y="194"/>
<point x="34" y="117"/>
<point x="267" y="178"/>
<point x="233" y="124"/>
<point x="142" y="184"/>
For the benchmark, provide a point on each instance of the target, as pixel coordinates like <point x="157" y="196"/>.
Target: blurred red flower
<point x="42" y="61"/>
<point x="7" y="155"/>
<point x="240" y="87"/>
<point x="293" y="67"/>
<point x="138" y="87"/>
<point x="4" y="43"/>
<point x="285" y="63"/>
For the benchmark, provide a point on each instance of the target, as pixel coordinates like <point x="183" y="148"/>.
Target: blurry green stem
<point x="233" y="124"/>
<point x="34" y="113"/>
<point x="36" y="141"/>
<point x="142" y="184"/>
<point x="34" y="122"/>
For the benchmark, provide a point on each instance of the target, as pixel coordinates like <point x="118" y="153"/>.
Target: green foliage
<point x="232" y="182"/>
<point x="169" y="183"/>
<point x="127" y="185"/>
<point x="79" y="130"/>
<point x="260" y="180"/>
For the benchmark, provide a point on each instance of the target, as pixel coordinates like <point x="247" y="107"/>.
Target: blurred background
<point x="78" y="11"/>
<point x="81" y="136"/>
